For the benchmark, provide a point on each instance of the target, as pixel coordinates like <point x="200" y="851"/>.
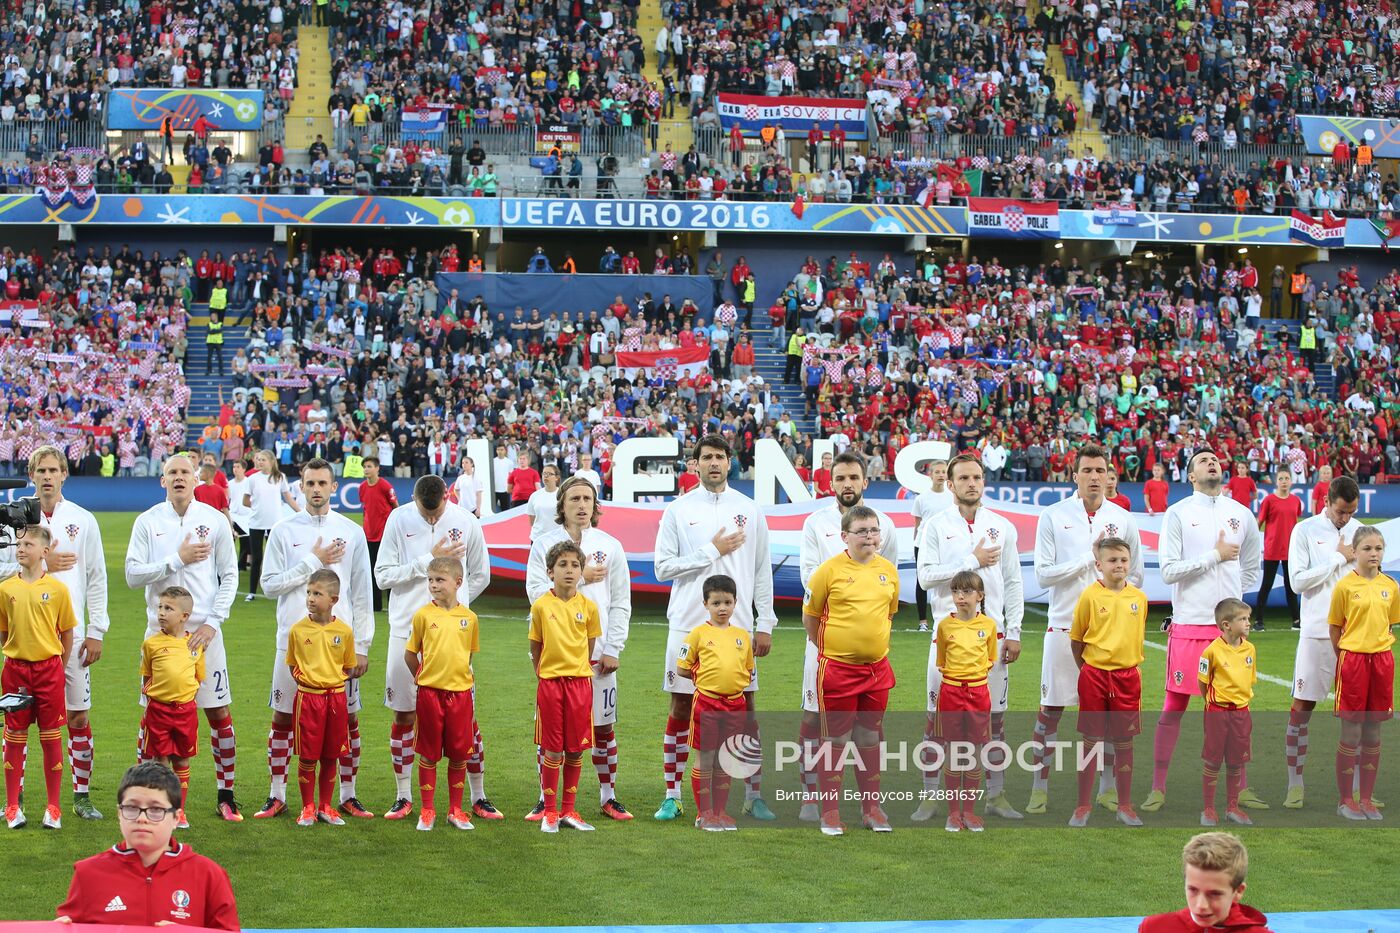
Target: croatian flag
<point x="1115" y="215"/>
<point x="430" y="121"/>
<point x="668" y="364"/>
<point x="1329" y="231"/>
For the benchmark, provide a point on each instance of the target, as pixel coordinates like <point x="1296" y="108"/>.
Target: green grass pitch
<point x="383" y="874"/>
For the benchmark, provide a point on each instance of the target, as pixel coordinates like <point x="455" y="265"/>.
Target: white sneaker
<point x="810" y="813"/>
<point x="14" y="818"/>
<point x="53" y="818"/>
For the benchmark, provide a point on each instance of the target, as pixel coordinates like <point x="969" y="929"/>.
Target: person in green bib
<point x="214" y="343"/>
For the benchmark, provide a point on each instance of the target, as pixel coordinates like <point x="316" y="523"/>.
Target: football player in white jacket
<point x="1210" y="550"/>
<point x="1320" y="553"/>
<point x="183" y="542"/>
<point x="1065" y="536"/>
<point x="970" y="536"/>
<point x="311" y="540"/>
<point x="76" y="559"/>
<point x="606" y="581"/>
<point x="415" y="533"/>
<point x="714" y="529"/>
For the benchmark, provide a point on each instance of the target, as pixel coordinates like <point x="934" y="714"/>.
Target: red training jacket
<point x="183" y="888"/>
<point x="1242" y="919"/>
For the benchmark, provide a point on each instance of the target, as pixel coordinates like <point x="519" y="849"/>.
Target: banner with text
<point x="1022" y="220"/>
<point x="795" y="115"/>
<point x="668" y="364"/>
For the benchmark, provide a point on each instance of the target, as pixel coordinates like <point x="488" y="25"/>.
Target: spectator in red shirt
<point x="1278" y="513"/>
<point x="1319" y="490"/>
<point x="523" y="481"/>
<point x="1155" y="491"/>
<point x="209" y="492"/>
<point x="156" y="880"/>
<point x="821" y="478"/>
<point x="690" y="478"/>
<point x="1113" y="495"/>
<point x="378" y="499"/>
<point x="1242" y="486"/>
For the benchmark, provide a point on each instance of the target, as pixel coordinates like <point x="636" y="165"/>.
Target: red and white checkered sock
<point x="279" y="760"/>
<point x="926" y="757"/>
<point x="401" y="757"/>
<point x="80" y="757"/>
<point x="675" y="752"/>
<point x="225" y="748"/>
<point x="809" y="735"/>
<point x="753" y="784"/>
<point x="476" y="764"/>
<point x="605" y="763"/>
<point x="996" y="756"/>
<point x="350" y="765"/>
<point x="1047" y="729"/>
<point x="1295" y="745"/>
<point x="140" y="743"/>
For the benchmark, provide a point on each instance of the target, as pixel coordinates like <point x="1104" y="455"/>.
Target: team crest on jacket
<point x="181" y="900"/>
<point x="1234" y="524"/>
<point x="1248" y="660"/>
<point x="578" y="616"/>
<point x="465" y="622"/>
<point x="335" y="640"/>
<point x="338" y="542"/>
<point x="1111" y="530"/>
<point x="43" y="597"/>
<point x="981" y="633"/>
<point x="1133" y="607"/>
<point x="454" y="534"/>
<point x="884" y="578"/>
<point x="202" y="532"/>
<point x="599" y="557"/>
<point x="740" y="521"/>
<point x="993" y="534"/>
<point x="738" y="643"/>
<point x="71" y="531"/>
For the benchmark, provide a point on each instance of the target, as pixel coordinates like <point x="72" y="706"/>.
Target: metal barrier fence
<point x="501" y="142"/>
<point x="86" y="134"/>
<point x="1117" y="148"/>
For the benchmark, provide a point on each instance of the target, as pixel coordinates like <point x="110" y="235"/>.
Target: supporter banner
<point x="1322" y="134"/>
<point x="418" y="124"/>
<point x="1327" y="231"/>
<point x="562" y="135"/>
<point x="18" y="309"/>
<point x="144" y="108"/>
<point x="794" y="114"/>
<point x="571" y="293"/>
<point x="1023" y="220"/>
<point x="1224" y="229"/>
<point x="1116" y="215"/>
<point x="668" y="364"/>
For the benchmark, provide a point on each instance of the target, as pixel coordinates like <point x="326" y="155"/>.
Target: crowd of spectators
<point x="91" y="353"/>
<point x="1026" y="362"/>
<point x="60" y="59"/>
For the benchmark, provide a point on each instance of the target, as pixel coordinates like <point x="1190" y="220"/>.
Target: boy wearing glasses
<point x="149" y="878"/>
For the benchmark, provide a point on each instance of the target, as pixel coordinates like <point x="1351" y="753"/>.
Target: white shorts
<point x="673" y="682"/>
<point x="77" y="680"/>
<point x="809" y="678"/>
<point x="284" y="687"/>
<point x="604" y="698"/>
<point x="215" y="691"/>
<point x="400" y="690"/>
<point x="1314" y="670"/>
<point x="1059" y="675"/>
<point x="998" y="683"/>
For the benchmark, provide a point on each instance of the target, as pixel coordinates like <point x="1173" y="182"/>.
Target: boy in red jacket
<point x="1216" y="864"/>
<point x="149" y="878"/>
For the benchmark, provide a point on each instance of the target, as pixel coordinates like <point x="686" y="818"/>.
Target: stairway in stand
<point x="649" y="20"/>
<point x="307" y="114"/>
<point x="768" y="363"/>
<point x="204" y="389"/>
<point x="1086" y="130"/>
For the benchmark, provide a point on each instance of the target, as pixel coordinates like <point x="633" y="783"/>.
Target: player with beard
<point x="1210" y="550"/>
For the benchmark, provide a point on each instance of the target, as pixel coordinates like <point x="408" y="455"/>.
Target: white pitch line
<point x="1267" y="678"/>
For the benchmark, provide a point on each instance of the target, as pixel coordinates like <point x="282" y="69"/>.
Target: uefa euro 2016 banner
<point x="795" y="115"/>
<point x="145" y="108"/>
